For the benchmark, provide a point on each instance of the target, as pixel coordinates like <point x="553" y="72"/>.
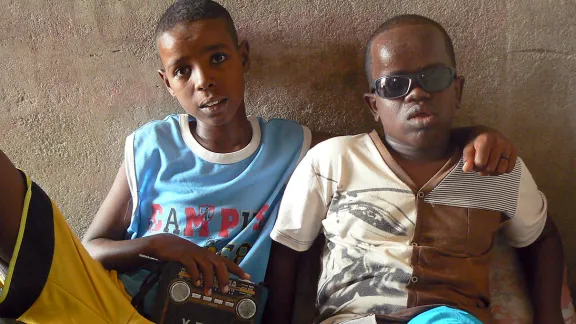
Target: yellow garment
<point x="78" y="289"/>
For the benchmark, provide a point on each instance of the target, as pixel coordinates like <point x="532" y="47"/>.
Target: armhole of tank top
<point x="130" y="167"/>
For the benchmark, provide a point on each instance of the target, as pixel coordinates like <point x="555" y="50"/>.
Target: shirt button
<point x="414" y="244"/>
<point x="421" y="194"/>
<point x="414" y="279"/>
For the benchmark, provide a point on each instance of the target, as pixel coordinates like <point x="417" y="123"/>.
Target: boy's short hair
<point x="187" y="11"/>
<point x="405" y="20"/>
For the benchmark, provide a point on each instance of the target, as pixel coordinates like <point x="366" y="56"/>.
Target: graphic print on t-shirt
<point x="357" y="271"/>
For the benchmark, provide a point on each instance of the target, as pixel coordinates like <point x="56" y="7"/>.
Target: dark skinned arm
<point x="12" y="188"/>
<point x="105" y="241"/>
<point x="543" y="265"/>
<point x="281" y="278"/>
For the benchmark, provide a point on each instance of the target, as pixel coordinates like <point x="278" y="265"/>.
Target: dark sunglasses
<point x="434" y="79"/>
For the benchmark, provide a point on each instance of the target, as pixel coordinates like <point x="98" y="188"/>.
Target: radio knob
<point x="179" y="291"/>
<point x="246" y="308"/>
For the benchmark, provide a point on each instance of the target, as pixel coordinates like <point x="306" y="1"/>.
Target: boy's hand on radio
<point x="196" y="260"/>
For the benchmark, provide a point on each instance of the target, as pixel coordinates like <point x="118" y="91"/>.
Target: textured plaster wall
<point x="78" y="76"/>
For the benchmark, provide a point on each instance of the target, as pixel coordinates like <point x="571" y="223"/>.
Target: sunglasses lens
<point x="392" y="87"/>
<point x="436" y="79"/>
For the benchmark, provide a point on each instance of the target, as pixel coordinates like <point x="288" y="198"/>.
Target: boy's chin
<point x="218" y="120"/>
<point x="428" y="137"/>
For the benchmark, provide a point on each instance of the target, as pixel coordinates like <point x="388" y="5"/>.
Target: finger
<point x="233" y="268"/>
<point x="192" y="269"/>
<point x="512" y="160"/>
<point x="208" y="275"/>
<point x="482" y="144"/>
<point x="221" y="273"/>
<point x="501" y="168"/>
<point x="504" y="160"/>
<point x="494" y="158"/>
<point x="468" y="157"/>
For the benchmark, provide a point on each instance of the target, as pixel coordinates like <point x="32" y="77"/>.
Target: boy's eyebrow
<point x="176" y="62"/>
<point x="210" y="48"/>
<point x="214" y="47"/>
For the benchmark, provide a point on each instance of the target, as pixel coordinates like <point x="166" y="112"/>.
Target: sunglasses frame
<point x="414" y="78"/>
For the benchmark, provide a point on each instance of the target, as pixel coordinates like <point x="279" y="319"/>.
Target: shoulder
<point x="523" y="174"/>
<point x="169" y="124"/>
<point x="286" y="134"/>
<point x="155" y="135"/>
<point x="279" y="125"/>
<point x="339" y="148"/>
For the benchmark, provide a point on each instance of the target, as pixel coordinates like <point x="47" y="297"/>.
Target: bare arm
<point x="281" y="277"/>
<point x="105" y="242"/>
<point x="12" y="188"/>
<point x="543" y="264"/>
<point x="105" y="238"/>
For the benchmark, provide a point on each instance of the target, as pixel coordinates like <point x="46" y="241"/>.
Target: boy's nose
<point x="204" y="80"/>
<point x="417" y="93"/>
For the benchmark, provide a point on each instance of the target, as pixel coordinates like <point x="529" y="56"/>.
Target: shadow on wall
<point x="318" y="85"/>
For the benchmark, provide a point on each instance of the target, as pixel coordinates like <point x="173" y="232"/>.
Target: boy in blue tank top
<point x="201" y="189"/>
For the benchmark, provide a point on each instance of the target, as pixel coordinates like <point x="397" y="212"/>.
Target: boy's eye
<point x="218" y="58"/>
<point x="180" y="72"/>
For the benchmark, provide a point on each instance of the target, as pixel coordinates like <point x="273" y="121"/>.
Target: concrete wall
<point x="78" y="76"/>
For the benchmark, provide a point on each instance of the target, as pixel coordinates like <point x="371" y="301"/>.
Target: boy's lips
<point x="419" y="112"/>
<point x="212" y="103"/>
<point x="421" y="116"/>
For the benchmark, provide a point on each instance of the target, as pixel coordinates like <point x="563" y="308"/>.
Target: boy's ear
<point x="370" y="100"/>
<point x="164" y="77"/>
<point x="244" y="49"/>
<point x="459" y="84"/>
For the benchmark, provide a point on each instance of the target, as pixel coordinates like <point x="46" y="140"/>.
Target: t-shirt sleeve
<point x="531" y="213"/>
<point x="302" y="209"/>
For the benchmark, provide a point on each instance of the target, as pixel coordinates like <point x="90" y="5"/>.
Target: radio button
<point x="246" y="308"/>
<point x="180" y="291"/>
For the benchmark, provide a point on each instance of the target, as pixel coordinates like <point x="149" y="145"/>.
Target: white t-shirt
<point x="345" y="188"/>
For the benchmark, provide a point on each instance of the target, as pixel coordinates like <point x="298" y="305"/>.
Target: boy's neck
<point x="420" y="163"/>
<point x="440" y="150"/>
<point x="228" y="138"/>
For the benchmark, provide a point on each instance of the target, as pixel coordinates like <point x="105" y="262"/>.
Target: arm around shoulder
<point x="486" y="150"/>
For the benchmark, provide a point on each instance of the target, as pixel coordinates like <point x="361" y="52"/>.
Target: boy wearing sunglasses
<point x="409" y="236"/>
<point x="207" y="180"/>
